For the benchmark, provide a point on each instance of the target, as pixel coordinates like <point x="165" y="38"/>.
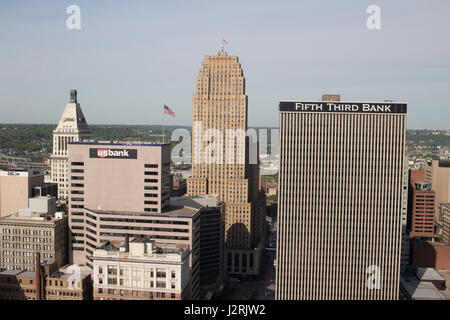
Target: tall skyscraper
<point x="72" y="127"/>
<point x="221" y="159"/>
<point x="123" y="188"/>
<point x="340" y="200"/>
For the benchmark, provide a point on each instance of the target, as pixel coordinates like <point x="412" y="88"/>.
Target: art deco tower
<point x="220" y="159"/>
<point x="72" y="127"/>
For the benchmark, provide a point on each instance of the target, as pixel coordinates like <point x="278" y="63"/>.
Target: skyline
<point x="125" y="78"/>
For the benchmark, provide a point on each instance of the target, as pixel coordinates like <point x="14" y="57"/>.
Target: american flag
<point x="12" y="163"/>
<point x="225" y="41"/>
<point x="169" y="111"/>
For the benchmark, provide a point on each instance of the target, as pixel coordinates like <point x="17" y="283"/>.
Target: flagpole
<point x="164" y="129"/>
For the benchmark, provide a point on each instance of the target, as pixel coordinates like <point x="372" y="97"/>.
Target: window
<point x="160" y="273"/>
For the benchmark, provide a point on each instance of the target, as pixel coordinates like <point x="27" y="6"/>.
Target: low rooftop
<point x="171" y="211"/>
<point x="119" y="143"/>
<point x="420" y="290"/>
<point x="69" y="276"/>
<point x="141" y="248"/>
<point x="198" y="202"/>
<point x="29" y="215"/>
<point x="428" y="274"/>
<point x="11" y="272"/>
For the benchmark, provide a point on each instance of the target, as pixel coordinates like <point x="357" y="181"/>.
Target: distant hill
<point x="34" y="141"/>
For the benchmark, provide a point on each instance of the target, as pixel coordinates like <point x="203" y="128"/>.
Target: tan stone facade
<point x="437" y="172"/>
<point x="22" y="237"/>
<point x="220" y="114"/>
<point x="15" y="189"/>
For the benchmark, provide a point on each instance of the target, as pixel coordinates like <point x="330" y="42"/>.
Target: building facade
<point x="231" y="170"/>
<point x="430" y="254"/>
<point x="141" y="270"/>
<point x="340" y="200"/>
<point x="16" y="187"/>
<point x="26" y="233"/>
<point x="437" y="172"/>
<point x="124" y="188"/>
<point x="445" y="220"/>
<point x="46" y="284"/>
<point x="212" y="234"/>
<point x="405" y="206"/>
<point x="422" y="213"/>
<point x="72" y="127"/>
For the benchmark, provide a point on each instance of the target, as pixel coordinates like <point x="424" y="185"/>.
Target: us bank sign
<point x="349" y="107"/>
<point x="108" y="153"/>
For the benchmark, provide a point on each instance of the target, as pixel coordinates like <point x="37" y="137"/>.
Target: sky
<point x="131" y="57"/>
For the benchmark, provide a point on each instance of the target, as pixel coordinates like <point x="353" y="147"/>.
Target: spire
<point x="72" y="118"/>
<point x="73" y="96"/>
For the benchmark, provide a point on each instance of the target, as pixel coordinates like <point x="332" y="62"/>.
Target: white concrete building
<point x="140" y="270"/>
<point x="72" y="127"/>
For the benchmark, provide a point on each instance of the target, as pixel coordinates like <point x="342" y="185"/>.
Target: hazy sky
<point x="130" y="57"/>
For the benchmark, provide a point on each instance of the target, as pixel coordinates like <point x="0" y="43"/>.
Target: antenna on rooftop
<point x="222" y="46"/>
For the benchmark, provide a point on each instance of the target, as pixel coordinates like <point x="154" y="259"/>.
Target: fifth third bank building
<point x="341" y="199"/>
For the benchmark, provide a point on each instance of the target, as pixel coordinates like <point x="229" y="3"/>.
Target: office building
<point x="421" y="210"/>
<point x="32" y="230"/>
<point x="437" y="172"/>
<point x="231" y="170"/>
<point x="46" y="189"/>
<point x="405" y="233"/>
<point x="141" y="270"/>
<point x="341" y="200"/>
<point x="124" y="188"/>
<point x="212" y="230"/>
<point x="71" y="127"/>
<point x="16" y="187"/>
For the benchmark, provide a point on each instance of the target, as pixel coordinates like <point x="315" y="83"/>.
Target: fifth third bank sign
<point x="354" y="107"/>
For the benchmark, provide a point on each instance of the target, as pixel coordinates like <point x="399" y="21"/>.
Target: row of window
<point x="32" y="232"/>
